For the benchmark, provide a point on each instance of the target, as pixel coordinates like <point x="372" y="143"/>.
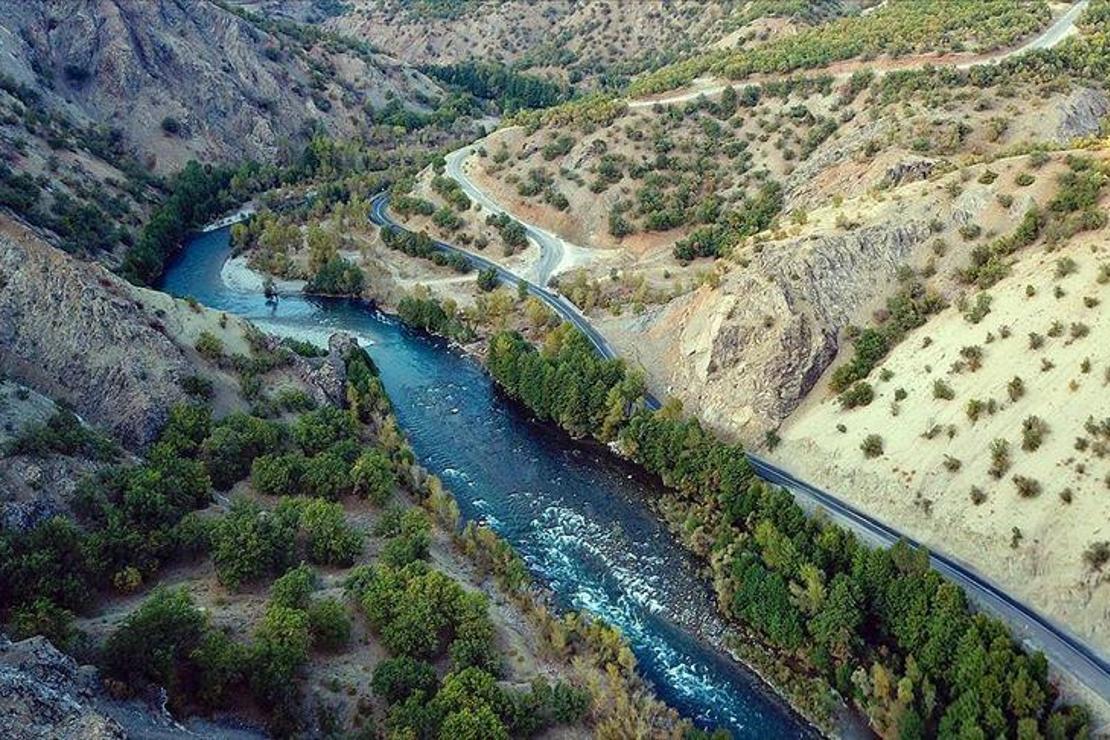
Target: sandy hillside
<point x="935" y="461"/>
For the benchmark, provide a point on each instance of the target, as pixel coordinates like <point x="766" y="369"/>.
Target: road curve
<point x="551" y="246"/>
<point x="379" y="214"/>
<point x="1064" y="650"/>
<point x="1059" y="30"/>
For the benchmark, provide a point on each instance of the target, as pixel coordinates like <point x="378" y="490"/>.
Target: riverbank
<point x="694" y="623"/>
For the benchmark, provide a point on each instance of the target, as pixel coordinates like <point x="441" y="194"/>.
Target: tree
<point x="329" y="540"/>
<point x="372" y="476"/>
<point x="410" y="542"/>
<point x="476" y="724"/>
<point x="278" y="474"/>
<point x="232" y="446"/>
<point x="152" y="643"/>
<point x="397" y="678"/>
<point x="329" y="624"/>
<point x="326" y="475"/>
<point x="249" y="543"/>
<point x="836" y="625"/>
<point x="280" y="648"/>
<point x="318" y="430"/>
<point x="411" y="608"/>
<point x="323" y="247"/>
<point x="220" y="665"/>
<point x="294" y="589"/>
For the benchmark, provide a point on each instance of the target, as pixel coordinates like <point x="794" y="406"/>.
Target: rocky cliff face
<point x="77" y="333"/>
<point x="234" y="89"/>
<point x="743" y="355"/>
<point x="43" y="693"/>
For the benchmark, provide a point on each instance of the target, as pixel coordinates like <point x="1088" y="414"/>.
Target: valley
<point x="610" y="370"/>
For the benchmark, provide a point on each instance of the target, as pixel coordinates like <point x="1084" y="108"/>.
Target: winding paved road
<point x="1059" y="30"/>
<point x="551" y="246"/>
<point x="1065" y="651"/>
<point x="379" y="214"/>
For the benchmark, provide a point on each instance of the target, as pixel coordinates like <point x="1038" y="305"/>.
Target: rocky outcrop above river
<point x="1082" y="113"/>
<point x="744" y="354"/>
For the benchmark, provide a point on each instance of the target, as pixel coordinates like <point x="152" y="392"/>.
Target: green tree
<point x="397" y="678"/>
<point x="280" y="648"/>
<point x="372" y="476"/>
<point x="249" y="543"/>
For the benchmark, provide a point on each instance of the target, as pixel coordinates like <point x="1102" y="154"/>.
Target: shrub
<point x="329" y="624"/>
<point x="1000" y="458"/>
<point x="198" y="386"/>
<point x="872" y="446"/>
<point x="209" y="346"/>
<point x="952" y="464"/>
<point x="1027" y="487"/>
<point x="978" y="496"/>
<point x="1033" y="429"/>
<point x="171" y="125"/>
<point x="488" y="280"/>
<point x="973" y="355"/>
<point x="1097" y="555"/>
<point x="860" y="394"/>
<point x="1036" y="341"/>
<point x="942" y="390"/>
<point x="1024" y="179"/>
<point x="1065" y="266"/>
<point x="1015" y="388"/>
<point x="980" y="309"/>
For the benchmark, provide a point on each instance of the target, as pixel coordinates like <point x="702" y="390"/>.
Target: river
<point x="577" y="514"/>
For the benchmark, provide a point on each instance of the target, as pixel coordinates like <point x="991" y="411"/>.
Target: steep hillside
<point x="579" y="40"/>
<point x="183" y="79"/>
<point x="117" y="354"/>
<point x="988" y="434"/>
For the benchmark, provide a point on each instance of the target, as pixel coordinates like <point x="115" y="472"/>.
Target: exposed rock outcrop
<point x="746" y="353"/>
<point x="1082" y="114"/>
<point x="45" y="694"/>
<point x="76" y="333"/>
<point x="233" y="89"/>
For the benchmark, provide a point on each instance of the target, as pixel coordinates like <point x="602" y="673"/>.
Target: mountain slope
<point x="182" y="79"/>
